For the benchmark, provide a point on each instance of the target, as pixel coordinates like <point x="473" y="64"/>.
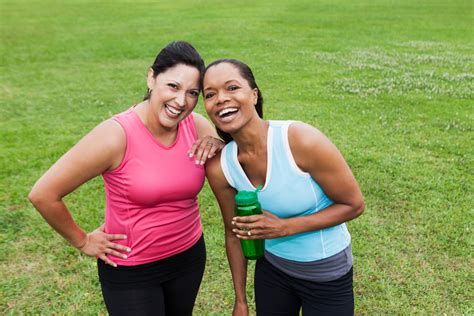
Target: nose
<point x="222" y="98"/>
<point x="181" y="99"/>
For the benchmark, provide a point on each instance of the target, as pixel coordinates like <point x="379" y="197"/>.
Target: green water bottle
<point x="246" y="204"/>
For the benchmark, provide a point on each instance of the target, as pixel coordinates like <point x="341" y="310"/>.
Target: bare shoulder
<point x="199" y="120"/>
<point x="198" y="117"/>
<point x="108" y="135"/>
<point x="302" y="135"/>
<point x="98" y="151"/>
<point x="203" y="126"/>
<point x="310" y="146"/>
<point x="215" y="174"/>
<point x="213" y="166"/>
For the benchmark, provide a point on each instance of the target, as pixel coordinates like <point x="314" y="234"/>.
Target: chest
<point x="153" y="177"/>
<point x="288" y="196"/>
<point x="255" y="169"/>
<point x="285" y="192"/>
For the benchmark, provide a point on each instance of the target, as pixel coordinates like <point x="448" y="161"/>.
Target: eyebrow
<point x="174" y="81"/>
<point x="224" y="83"/>
<point x="179" y="84"/>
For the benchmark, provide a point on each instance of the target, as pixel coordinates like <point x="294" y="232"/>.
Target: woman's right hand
<point x="240" y="309"/>
<point x="205" y="148"/>
<point x="99" y="244"/>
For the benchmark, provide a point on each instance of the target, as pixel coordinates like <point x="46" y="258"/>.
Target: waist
<point x="324" y="270"/>
<point x="310" y="246"/>
<point x="149" y="274"/>
<point x="153" y="233"/>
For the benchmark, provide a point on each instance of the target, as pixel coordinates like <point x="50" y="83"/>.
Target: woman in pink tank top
<point x="150" y="250"/>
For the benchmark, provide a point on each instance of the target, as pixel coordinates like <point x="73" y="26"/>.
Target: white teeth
<point x="173" y="110"/>
<point x="227" y="110"/>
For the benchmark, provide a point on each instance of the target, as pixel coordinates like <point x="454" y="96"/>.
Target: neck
<point x="145" y="111"/>
<point x="252" y="137"/>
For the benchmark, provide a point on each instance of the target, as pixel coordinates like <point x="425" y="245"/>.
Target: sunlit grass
<point x="391" y="83"/>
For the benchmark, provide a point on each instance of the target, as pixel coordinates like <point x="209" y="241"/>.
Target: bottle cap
<point x="247" y="197"/>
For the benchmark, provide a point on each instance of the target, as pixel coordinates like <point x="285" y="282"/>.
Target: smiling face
<point x="228" y="97"/>
<point x="174" y="95"/>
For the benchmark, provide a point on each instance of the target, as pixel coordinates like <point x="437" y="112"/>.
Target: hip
<point x="152" y="273"/>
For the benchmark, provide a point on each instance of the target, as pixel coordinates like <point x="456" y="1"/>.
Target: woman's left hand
<point x="265" y="226"/>
<point x="205" y="148"/>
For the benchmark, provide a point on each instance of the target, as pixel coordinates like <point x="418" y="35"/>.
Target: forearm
<point x="238" y="266"/>
<point x="333" y="215"/>
<point x="58" y="217"/>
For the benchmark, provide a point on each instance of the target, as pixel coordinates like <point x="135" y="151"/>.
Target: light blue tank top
<point x="288" y="192"/>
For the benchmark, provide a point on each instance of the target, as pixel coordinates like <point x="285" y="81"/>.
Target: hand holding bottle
<point x="264" y="226"/>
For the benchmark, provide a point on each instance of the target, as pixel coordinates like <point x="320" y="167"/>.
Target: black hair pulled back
<point x="177" y="52"/>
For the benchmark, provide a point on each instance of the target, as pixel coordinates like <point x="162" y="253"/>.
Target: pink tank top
<point x="152" y="195"/>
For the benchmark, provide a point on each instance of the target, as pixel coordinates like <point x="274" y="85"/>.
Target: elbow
<point x="39" y="197"/>
<point x="35" y="197"/>
<point x="43" y="197"/>
<point x="359" y="208"/>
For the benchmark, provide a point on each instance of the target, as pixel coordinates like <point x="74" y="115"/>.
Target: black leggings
<point x="277" y="293"/>
<point x="165" y="287"/>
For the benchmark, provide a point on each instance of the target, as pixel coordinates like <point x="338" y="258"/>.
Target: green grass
<point x="390" y="82"/>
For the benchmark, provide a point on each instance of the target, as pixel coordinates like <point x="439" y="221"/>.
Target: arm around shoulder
<point x="203" y="126"/>
<point x="208" y="142"/>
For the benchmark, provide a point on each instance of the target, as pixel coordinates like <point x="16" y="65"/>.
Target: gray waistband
<point x="323" y="270"/>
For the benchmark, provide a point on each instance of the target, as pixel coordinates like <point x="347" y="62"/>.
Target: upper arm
<point x="316" y="154"/>
<point x="223" y="192"/>
<point x="203" y="126"/>
<point x="100" y="150"/>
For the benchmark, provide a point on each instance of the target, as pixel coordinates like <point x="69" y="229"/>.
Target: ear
<point x="255" y="96"/>
<point x="150" y="79"/>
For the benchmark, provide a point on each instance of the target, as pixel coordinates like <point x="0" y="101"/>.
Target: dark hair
<point x="247" y="74"/>
<point x="178" y="52"/>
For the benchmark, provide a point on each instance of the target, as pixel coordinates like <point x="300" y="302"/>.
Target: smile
<point x="227" y="112"/>
<point x="173" y="110"/>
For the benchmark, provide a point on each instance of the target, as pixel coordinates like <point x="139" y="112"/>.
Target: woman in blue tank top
<point x="308" y="194"/>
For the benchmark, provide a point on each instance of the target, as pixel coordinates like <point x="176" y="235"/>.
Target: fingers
<point x="118" y="247"/>
<point x="246" y="223"/>
<point x="205" y="148"/>
<point x="115" y="236"/>
<point x="256" y="226"/>
<point x="115" y="253"/>
<point x="212" y="151"/>
<point x="246" y="234"/>
<point x="246" y="219"/>
<point x="104" y="258"/>
<point x="195" y="146"/>
<point x="111" y="248"/>
<point x="203" y="152"/>
<point x="217" y="146"/>
<point x="247" y="226"/>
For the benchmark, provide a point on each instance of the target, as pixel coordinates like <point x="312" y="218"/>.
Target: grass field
<point x="390" y="82"/>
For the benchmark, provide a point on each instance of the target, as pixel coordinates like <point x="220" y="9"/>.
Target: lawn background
<point x="390" y="82"/>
